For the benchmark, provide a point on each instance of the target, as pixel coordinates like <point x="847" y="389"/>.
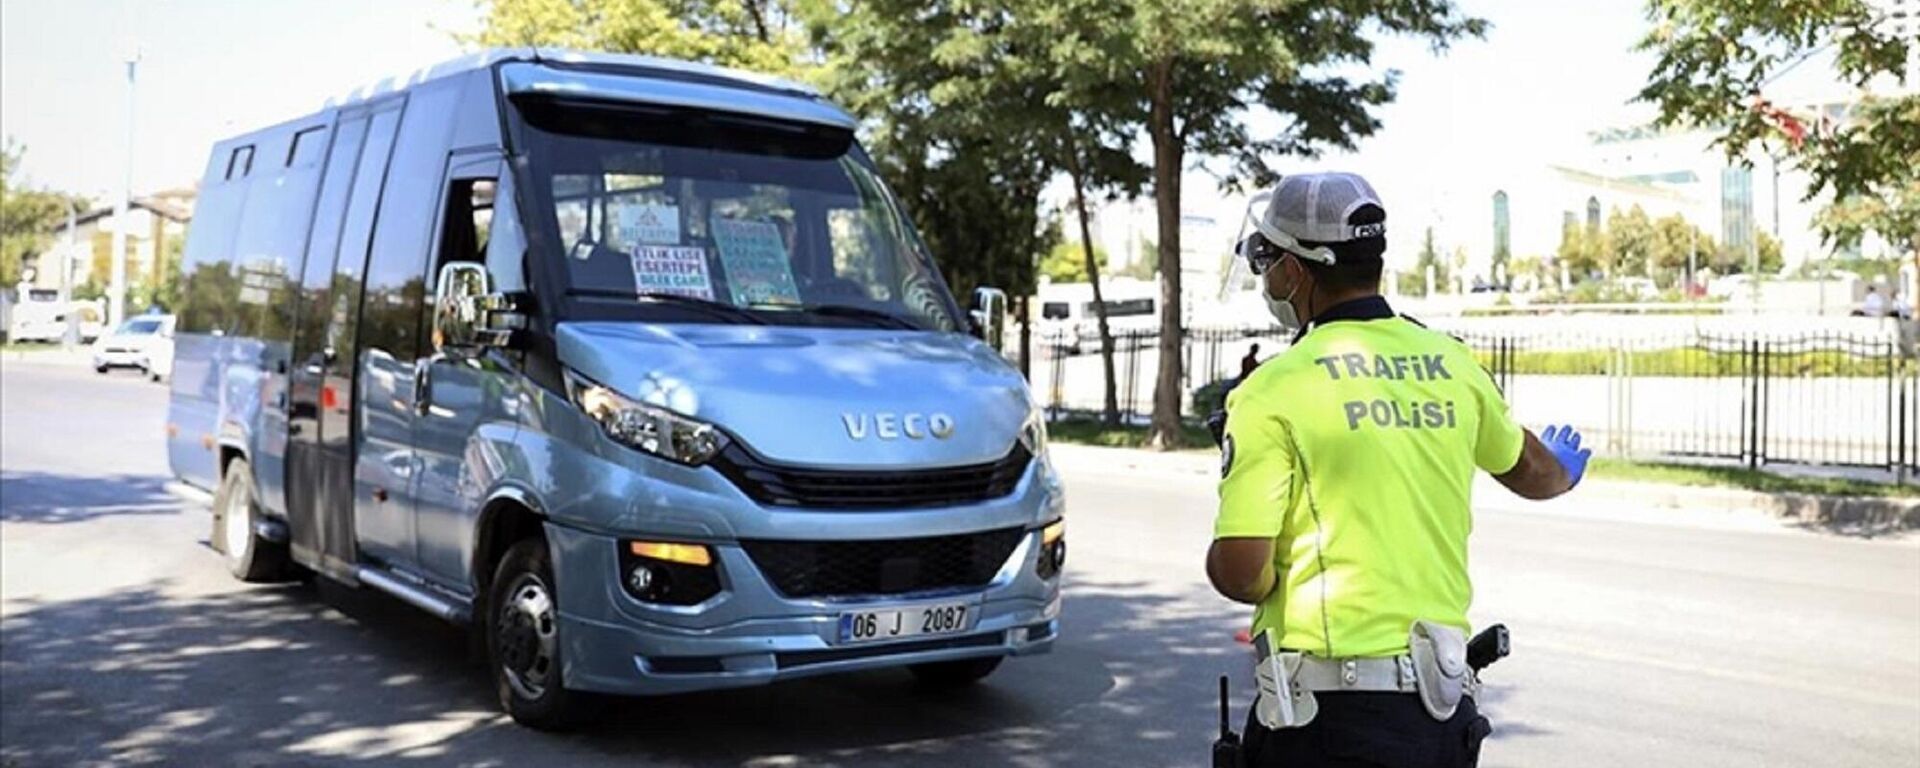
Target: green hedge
<point x="1687" y="363"/>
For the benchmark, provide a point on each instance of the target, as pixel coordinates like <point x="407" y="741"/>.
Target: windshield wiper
<point x="886" y="319"/>
<point x="711" y="307"/>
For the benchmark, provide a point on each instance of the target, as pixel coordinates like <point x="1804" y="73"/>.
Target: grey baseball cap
<point x="1317" y="208"/>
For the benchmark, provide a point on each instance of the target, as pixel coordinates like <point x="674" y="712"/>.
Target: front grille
<point x="883" y="566"/>
<point x="781" y="486"/>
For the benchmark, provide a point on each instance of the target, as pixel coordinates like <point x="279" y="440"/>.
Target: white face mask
<point x="1281" y="309"/>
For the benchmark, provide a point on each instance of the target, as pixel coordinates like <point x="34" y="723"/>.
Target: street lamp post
<point x="70" y="336"/>
<point x="117" y="284"/>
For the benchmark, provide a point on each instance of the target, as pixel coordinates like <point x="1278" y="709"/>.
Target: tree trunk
<point x="1110" y="405"/>
<point x="1026" y="339"/>
<point x="1165" y="433"/>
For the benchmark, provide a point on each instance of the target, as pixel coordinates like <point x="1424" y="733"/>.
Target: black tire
<point x="946" y="675"/>
<point x="100" y="369"/>
<point x="258" y="560"/>
<point x="523" y="643"/>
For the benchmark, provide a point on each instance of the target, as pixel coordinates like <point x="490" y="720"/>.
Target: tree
<point x="1530" y="273"/>
<point x="1772" y="261"/>
<point x="1021" y="75"/>
<point x="1679" y="248"/>
<point x="1429" y="261"/>
<point x="1629" y="244"/>
<point x="760" y="35"/>
<point x="1066" y="262"/>
<point x="1716" y="59"/>
<point x="28" y="217"/>
<point x="958" y="141"/>
<point x="1092" y="114"/>
<point x="1200" y="67"/>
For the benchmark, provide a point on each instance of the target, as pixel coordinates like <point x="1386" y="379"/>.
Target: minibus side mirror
<point x="467" y="315"/>
<point x="990" y="315"/>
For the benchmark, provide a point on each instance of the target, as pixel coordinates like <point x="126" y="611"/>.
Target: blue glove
<point x="1564" y="442"/>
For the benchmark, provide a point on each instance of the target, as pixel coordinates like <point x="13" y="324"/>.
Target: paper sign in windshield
<point x="676" y="270"/>
<point x="643" y="223"/>
<point x="758" y="270"/>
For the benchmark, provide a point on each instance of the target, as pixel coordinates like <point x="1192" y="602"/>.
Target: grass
<point x="1692" y="362"/>
<point x="31" y="347"/>
<point x="1091" y="432"/>
<point x="1743" y="478"/>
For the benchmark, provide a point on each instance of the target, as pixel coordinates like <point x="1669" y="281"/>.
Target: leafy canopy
<point x="1717" y="59"/>
<point x="28" y="216"/>
<point x="760" y="35"/>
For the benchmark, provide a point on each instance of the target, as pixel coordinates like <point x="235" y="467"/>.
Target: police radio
<point x="1226" y="749"/>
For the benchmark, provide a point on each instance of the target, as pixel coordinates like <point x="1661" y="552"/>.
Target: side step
<point x="415" y="593"/>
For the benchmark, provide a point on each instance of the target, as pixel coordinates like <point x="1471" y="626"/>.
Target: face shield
<point x="1261" y="250"/>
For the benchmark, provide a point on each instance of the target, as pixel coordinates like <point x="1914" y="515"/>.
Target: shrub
<point x="1212" y="397"/>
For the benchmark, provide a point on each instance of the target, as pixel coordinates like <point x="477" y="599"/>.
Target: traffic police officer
<point x="1344" y="501"/>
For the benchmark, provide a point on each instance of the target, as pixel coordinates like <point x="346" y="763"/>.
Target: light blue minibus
<point x="632" y="365"/>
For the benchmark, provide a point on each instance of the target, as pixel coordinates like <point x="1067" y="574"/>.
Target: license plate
<point x="896" y="623"/>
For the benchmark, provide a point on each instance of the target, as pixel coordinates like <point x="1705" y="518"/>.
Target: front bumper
<point x="750" y="634"/>
<point x="117" y="358"/>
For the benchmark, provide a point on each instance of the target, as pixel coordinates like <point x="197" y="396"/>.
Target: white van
<point x="1068" y="319"/>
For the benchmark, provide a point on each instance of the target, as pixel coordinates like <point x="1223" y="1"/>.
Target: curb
<point x="1872" y="512"/>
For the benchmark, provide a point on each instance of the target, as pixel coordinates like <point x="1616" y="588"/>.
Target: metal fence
<point x="1070" y="382"/>
<point x="1828" y="399"/>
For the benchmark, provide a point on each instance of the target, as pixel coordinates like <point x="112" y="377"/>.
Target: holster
<point x="1281" y="704"/>
<point x="1440" y="667"/>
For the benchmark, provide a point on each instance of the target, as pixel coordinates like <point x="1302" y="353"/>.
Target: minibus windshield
<point x="663" y="214"/>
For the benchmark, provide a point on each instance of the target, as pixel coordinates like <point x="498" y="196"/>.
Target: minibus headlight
<point x="649" y="428"/>
<point x="1033" y="434"/>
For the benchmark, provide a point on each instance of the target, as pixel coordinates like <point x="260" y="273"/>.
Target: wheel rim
<point x="525" y="634"/>
<point x="234" y="524"/>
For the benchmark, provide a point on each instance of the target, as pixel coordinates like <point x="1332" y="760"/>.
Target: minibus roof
<point x="626" y="64"/>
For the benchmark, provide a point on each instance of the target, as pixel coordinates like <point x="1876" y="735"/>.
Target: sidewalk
<point x="1853" y="515"/>
<point x="51" y="354"/>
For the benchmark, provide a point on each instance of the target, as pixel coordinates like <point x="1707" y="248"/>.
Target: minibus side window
<point x="240" y="162"/>
<point x="469" y="221"/>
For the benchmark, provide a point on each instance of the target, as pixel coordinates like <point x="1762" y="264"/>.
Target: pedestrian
<point x="1344" y="499"/>
<point x="1250" y="362"/>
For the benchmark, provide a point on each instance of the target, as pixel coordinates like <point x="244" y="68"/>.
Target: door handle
<point x="422" y="385"/>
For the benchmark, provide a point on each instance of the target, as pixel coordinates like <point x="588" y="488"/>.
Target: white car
<point x="144" y="342"/>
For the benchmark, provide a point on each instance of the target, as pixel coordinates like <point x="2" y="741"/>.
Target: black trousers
<point x="1370" y="730"/>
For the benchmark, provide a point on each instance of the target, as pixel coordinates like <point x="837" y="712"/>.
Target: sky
<point x="1466" y="119"/>
<point x="208" y="69"/>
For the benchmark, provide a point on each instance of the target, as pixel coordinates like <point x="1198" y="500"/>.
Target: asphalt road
<point x="1642" y="638"/>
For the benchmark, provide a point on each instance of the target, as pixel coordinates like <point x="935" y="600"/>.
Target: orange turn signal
<point x="690" y="554"/>
<point x="1054" y="531"/>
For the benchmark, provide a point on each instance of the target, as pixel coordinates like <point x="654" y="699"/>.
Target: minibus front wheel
<point x="523" y="639"/>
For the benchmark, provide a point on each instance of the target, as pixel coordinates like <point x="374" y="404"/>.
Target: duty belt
<point x="1394" y="674"/>
<point x="1434" y="668"/>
